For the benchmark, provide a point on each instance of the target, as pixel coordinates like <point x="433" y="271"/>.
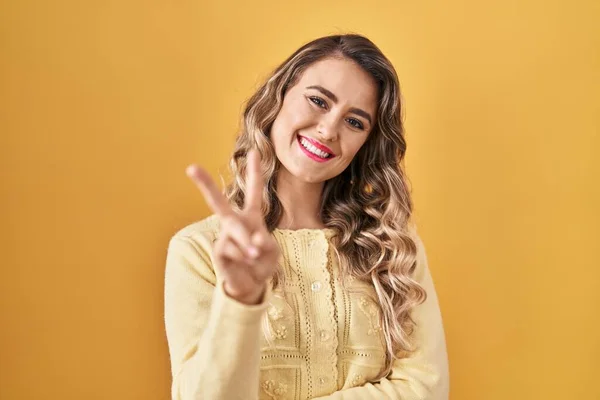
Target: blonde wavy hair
<point x="368" y="205"/>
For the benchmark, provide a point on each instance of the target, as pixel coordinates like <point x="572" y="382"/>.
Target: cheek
<point x="351" y="147"/>
<point x="295" y="115"/>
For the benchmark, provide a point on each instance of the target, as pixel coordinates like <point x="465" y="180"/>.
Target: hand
<point x="246" y="254"/>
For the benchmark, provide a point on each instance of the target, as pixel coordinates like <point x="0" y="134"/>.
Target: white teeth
<point x="307" y="145"/>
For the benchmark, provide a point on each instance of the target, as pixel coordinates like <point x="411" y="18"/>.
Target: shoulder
<point x="197" y="236"/>
<point x="207" y="226"/>
<point x="190" y="250"/>
<point x="416" y="237"/>
<point x="421" y="271"/>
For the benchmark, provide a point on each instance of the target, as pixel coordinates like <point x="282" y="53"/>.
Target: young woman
<point x="309" y="280"/>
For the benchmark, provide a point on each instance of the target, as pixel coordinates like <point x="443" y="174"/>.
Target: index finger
<point x="254" y="182"/>
<point x="213" y="196"/>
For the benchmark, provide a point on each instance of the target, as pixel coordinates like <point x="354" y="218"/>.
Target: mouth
<point x="314" y="150"/>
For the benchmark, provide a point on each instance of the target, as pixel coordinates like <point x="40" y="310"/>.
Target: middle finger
<point x="237" y="231"/>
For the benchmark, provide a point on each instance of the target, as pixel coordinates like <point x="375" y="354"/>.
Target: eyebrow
<point x="334" y="98"/>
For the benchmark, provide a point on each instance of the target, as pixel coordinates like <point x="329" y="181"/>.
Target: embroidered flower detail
<point x="357" y="379"/>
<point x="371" y="311"/>
<point x="278" y="318"/>
<point x="280" y="333"/>
<point x="274" y="389"/>
<point x="275" y="313"/>
<point x="373" y="331"/>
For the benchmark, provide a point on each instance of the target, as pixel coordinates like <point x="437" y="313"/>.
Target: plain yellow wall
<point x="103" y="104"/>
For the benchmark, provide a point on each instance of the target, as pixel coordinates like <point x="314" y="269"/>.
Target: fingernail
<point x="253" y="251"/>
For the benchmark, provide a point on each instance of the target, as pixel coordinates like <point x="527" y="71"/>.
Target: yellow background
<point x="104" y="104"/>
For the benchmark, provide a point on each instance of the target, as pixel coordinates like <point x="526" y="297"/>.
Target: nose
<point x="327" y="130"/>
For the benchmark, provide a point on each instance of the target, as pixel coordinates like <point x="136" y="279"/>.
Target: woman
<point x="309" y="281"/>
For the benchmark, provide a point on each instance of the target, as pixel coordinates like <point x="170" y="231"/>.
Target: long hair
<point x="369" y="210"/>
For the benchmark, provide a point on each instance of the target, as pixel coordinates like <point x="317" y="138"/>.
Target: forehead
<point x="344" y="78"/>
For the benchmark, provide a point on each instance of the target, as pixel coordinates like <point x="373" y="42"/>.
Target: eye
<point x="356" y="123"/>
<point x="318" y="101"/>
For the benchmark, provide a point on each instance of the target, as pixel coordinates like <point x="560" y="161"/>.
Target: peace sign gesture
<point x="246" y="254"/>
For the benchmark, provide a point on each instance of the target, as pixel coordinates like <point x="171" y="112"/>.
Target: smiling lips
<point x="315" y="150"/>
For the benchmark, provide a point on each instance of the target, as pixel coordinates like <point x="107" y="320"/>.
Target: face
<point x="325" y="119"/>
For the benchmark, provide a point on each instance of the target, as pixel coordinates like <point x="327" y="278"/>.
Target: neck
<point x="301" y="202"/>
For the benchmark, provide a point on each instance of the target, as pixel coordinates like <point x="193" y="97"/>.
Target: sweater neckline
<point x="328" y="232"/>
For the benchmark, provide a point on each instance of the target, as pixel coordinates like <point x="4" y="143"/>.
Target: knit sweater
<point x="308" y="340"/>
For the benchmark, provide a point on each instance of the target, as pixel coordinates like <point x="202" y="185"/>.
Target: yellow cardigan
<point x="314" y="341"/>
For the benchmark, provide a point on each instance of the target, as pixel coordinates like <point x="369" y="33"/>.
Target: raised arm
<point x="215" y="295"/>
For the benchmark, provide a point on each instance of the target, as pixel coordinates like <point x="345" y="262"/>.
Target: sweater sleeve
<point x="424" y="375"/>
<point x="213" y="339"/>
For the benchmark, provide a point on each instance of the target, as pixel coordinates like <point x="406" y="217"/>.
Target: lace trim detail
<point x="304" y="232"/>
<point x="316" y="243"/>
<point x="348" y="317"/>
<point x="329" y="284"/>
<point x="306" y="311"/>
